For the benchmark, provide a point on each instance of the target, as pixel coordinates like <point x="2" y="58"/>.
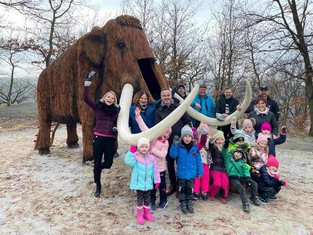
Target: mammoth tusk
<point x="124" y="133"/>
<point x="213" y="121"/>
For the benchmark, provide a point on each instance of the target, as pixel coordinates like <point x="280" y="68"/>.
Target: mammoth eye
<point x="121" y="45"/>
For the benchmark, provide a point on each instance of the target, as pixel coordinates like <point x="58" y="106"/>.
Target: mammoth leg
<point x="72" y="137"/>
<point x="43" y="137"/>
<point x="87" y="131"/>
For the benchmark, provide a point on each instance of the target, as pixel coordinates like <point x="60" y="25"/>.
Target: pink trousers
<point x="220" y="180"/>
<point x="202" y="183"/>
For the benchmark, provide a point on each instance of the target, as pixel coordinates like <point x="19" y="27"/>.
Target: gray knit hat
<point x="186" y="130"/>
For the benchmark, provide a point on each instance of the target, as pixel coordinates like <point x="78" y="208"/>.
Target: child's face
<point x="248" y="129"/>
<point x="187" y="139"/>
<point x="237" y="155"/>
<point x="143" y="148"/>
<point x="265" y="132"/>
<point x="219" y="142"/>
<point x="262" y="144"/>
<point x="272" y="169"/>
<point x="166" y="135"/>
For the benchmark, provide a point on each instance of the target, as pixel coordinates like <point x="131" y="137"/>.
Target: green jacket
<point x="235" y="168"/>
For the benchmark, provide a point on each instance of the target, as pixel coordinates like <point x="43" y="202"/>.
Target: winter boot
<point x="246" y="208"/>
<point x="146" y="214"/>
<point x="189" y="207"/>
<point x="255" y="201"/>
<point x="140" y="218"/>
<point x="183" y="207"/>
<point x="98" y="190"/>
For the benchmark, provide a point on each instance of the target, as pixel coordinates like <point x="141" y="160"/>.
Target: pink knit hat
<point x="266" y="126"/>
<point x="247" y="123"/>
<point x="261" y="138"/>
<point x="272" y="161"/>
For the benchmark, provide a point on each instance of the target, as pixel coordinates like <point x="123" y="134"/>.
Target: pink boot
<point x="147" y="214"/>
<point x="140" y="218"/>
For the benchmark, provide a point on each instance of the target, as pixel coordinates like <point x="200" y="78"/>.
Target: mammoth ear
<point x="94" y="45"/>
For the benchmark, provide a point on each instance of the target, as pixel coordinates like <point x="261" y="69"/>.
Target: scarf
<point x="109" y="109"/>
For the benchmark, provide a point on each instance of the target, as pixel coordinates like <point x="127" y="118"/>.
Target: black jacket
<point x="266" y="180"/>
<point x="222" y="102"/>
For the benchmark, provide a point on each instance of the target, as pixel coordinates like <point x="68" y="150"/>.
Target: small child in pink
<point x="218" y="170"/>
<point x="202" y="183"/>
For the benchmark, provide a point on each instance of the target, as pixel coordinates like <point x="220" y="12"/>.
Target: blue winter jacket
<point x="189" y="165"/>
<point x="207" y="105"/>
<point x="145" y="171"/>
<point x="148" y="118"/>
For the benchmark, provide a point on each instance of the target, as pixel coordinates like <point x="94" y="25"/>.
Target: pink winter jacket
<point x="158" y="148"/>
<point x="257" y="157"/>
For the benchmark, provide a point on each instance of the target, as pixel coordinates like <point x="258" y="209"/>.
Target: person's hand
<point x="137" y="111"/>
<point x="204" y="131"/>
<point x="198" y="105"/>
<point x="238" y="107"/>
<point x="233" y="122"/>
<point x="90" y="76"/>
<point x="274" y="137"/>
<point x="176" y="140"/>
<point x="157" y="185"/>
<point x="220" y="117"/>
<point x="284" y="182"/>
<point x="114" y="129"/>
<point x="133" y="149"/>
<point x="283" y="130"/>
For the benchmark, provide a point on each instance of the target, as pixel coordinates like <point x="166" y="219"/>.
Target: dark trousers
<point x="143" y="198"/>
<point x="162" y="189"/>
<point x="267" y="192"/>
<point x="185" y="189"/>
<point x="103" y="147"/>
<point x="171" y="166"/>
<point x="237" y="182"/>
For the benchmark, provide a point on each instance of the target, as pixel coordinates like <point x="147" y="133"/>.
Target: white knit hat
<point x="186" y="130"/>
<point x="142" y="141"/>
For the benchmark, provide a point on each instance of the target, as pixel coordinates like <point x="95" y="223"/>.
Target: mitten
<point x="220" y="117"/>
<point x="114" y="129"/>
<point x="283" y="130"/>
<point x="204" y="131"/>
<point x="90" y="76"/>
<point x="284" y="183"/>
<point x="157" y="185"/>
<point x="176" y="140"/>
<point x="133" y="149"/>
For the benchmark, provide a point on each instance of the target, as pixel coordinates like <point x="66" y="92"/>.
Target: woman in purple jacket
<point x="106" y="112"/>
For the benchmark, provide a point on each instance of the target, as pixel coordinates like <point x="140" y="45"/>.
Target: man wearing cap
<point x="180" y="90"/>
<point x="271" y="104"/>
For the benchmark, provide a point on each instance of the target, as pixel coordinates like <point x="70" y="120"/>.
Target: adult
<point x="262" y="114"/>
<point x="166" y="107"/>
<point x="204" y="104"/>
<point x="180" y="90"/>
<point x="144" y="101"/>
<point x="270" y="103"/>
<point x="225" y="106"/>
<point x="106" y="112"/>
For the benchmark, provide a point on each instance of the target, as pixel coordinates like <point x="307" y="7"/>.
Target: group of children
<point x="207" y="165"/>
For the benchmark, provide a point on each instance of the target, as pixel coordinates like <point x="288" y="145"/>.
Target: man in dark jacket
<point x="165" y="108"/>
<point x="271" y="104"/>
<point x="225" y="106"/>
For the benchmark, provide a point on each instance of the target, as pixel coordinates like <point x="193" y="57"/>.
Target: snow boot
<point x="146" y="213"/>
<point x="140" y="218"/>
<point x="98" y="190"/>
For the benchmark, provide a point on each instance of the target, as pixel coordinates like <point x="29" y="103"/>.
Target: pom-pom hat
<point x="261" y="138"/>
<point x="272" y="161"/>
<point x="186" y="130"/>
<point x="142" y="141"/>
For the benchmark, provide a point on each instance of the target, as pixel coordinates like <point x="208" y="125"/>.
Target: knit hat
<point x="266" y="126"/>
<point x="247" y="123"/>
<point x="261" y="138"/>
<point x="142" y="141"/>
<point x="180" y="85"/>
<point x="272" y="161"/>
<point x="194" y="133"/>
<point x="239" y="136"/>
<point x="242" y="149"/>
<point x="186" y="130"/>
<point x="218" y="134"/>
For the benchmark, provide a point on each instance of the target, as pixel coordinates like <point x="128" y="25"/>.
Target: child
<point x="202" y="183"/>
<point x="266" y="129"/>
<point x="189" y="166"/>
<point x="258" y="156"/>
<point x="247" y="130"/>
<point x="270" y="184"/>
<point x="145" y="172"/>
<point x="238" y="173"/>
<point x="218" y="170"/>
<point x="159" y="149"/>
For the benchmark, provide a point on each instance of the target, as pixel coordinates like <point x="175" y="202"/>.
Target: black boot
<point x="98" y="190"/>
<point x="183" y="207"/>
<point x="189" y="207"/>
<point x="246" y="208"/>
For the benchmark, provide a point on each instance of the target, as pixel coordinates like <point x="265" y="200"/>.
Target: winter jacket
<point x="249" y="137"/>
<point x="147" y="116"/>
<point x="271" y="143"/>
<point x="271" y="104"/>
<point x="106" y="115"/>
<point x="266" y="116"/>
<point x="158" y="147"/>
<point x="266" y="180"/>
<point x="222" y="103"/>
<point x="163" y="111"/>
<point x="189" y="164"/>
<point x="217" y="158"/>
<point x="145" y="170"/>
<point x="207" y="105"/>
<point x="258" y="157"/>
<point x="235" y="169"/>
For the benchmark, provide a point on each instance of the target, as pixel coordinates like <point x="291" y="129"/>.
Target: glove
<point x="176" y="140"/>
<point x="114" y="129"/>
<point x="204" y="131"/>
<point x="220" y="117"/>
<point x="90" y="76"/>
<point x="284" y="183"/>
<point x="133" y="149"/>
<point x="283" y="130"/>
<point x="157" y="185"/>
